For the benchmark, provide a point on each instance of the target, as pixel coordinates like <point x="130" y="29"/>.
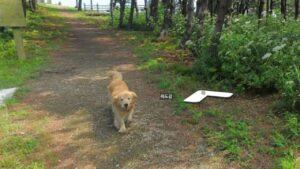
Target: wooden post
<point x="84" y="6"/>
<point x="97" y="8"/>
<point x="19" y="43"/>
<point x="92" y="5"/>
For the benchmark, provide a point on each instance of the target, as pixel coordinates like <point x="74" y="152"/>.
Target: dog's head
<point x="125" y="100"/>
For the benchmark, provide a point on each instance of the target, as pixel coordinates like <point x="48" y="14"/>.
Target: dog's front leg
<point x="130" y="116"/>
<point x="122" y="125"/>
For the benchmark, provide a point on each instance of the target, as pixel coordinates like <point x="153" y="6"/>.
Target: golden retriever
<point x="123" y="100"/>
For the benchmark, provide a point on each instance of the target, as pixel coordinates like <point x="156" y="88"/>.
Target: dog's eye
<point x="121" y="99"/>
<point x="128" y="98"/>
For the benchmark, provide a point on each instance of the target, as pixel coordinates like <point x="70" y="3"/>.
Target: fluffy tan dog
<point x="123" y="100"/>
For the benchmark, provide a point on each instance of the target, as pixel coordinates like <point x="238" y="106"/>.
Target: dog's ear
<point x="134" y="95"/>
<point x="115" y="99"/>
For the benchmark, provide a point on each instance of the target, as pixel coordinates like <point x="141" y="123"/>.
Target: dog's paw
<point x="122" y="130"/>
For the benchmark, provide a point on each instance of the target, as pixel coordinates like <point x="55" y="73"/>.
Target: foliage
<point x="266" y="62"/>
<point x="17" y="146"/>
<point x="16" y="149"/>
<point x="40" y="30"/>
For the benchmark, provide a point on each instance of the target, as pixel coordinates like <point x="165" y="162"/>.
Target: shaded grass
<point x="23" y="140"/>
<point x="234" y="134"/>
<point x="42" y="28"/>
<point x="16" y="148"/>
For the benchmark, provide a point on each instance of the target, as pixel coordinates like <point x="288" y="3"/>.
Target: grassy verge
<point x="241" y="134"/>
<point x="42" y="28"/>
<point x="244" y="131"/>
<point x="23" y="140"/>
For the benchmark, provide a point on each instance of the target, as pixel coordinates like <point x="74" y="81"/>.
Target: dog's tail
<point x="115" y="75"/>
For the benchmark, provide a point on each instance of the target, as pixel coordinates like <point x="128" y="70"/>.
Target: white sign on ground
<point x="5" y="94"/>
<point x="202" y="94"/>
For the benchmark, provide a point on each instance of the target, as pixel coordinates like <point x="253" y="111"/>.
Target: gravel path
<point x="72" y="89"/>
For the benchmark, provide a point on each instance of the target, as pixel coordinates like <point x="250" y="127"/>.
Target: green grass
<point x="233" y="133"/>
<point x="18" y="148"/>
<point x="228" y="133"/>
<point x="42" y="28"/>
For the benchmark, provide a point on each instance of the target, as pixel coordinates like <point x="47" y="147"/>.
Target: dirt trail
<point x="72" y="91"/>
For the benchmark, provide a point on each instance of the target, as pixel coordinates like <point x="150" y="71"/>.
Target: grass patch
<point x="238" y="133"/>
<point x="22" y="136"/>
<point x="43" y="27"/>
<point x="16" y="149"/>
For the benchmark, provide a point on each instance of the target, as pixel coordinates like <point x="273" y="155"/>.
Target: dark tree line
<point x="196" y="16"/>
<point x="29" y="5"/>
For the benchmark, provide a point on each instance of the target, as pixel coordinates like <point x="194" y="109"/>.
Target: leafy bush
<point x="263" y="59"/>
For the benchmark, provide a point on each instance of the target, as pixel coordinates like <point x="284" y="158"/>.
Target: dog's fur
<point x="123" y="100"/>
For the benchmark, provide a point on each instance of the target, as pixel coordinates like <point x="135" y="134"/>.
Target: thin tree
<point x="271" y="6"/>
<point x="32" y="5"/>
<point x="133" y="5"/>
<point x="167" y="22"/>
<point x="146" y="8"/>
<point x="154" y="10"/>
<point x="200" y="14"/>
<point x="296" y="9"/>
<point x="79" y="5"/>
<point x="260" y="8"/>
<point x="283" y="8"/>
<point x="189" y="24"/>
<point x="268" y="7"/>
<point x="24" y="7"/>
<point x="122" y="12"/>
<point x="215" y="41"/>
<point x="184" y="7"/>
<point x="112" y="7"/>
<point x="136" y="8"/>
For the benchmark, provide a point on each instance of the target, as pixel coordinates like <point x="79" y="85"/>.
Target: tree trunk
<point x="211" y="7"/>
<point x="32" y="4"/>
<point x="242" y="7"/>
<point x="131" y="14"/>
<point x="112" y="6"/>
<point x="271" y="6"/>
<point x="247" y="6"/>
<point x="296" y="9"/>
<point x="146" y="11"/>
<point x="167" y="23"/>
<point x="154" y="10"/>
<point x="24" y="7"/>
<point x="136" y="8"/>
<point x="189" y="24"/>
<point x="268" y="7"/>
<point x="202" y="7"/>
<point x="260" y="8"/>
<point x="122" y="12"/>
<point x="283" y="8"/>
<point x="79" y="5"/>
<point x="183" y="7"/>
<point x="222" y="11"/>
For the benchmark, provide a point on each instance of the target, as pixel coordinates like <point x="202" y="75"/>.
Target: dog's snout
<point x="126" y="105"/>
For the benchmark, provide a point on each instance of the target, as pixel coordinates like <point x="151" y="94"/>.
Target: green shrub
<point x="264" y="59"/>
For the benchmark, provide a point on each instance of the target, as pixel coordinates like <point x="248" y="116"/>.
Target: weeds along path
<point x="72" y="92"/>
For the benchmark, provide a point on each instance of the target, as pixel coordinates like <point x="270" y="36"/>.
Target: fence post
<point x="92" y="5"/>
<point x="84" y="7"/>
<point x="97" y="7"/>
